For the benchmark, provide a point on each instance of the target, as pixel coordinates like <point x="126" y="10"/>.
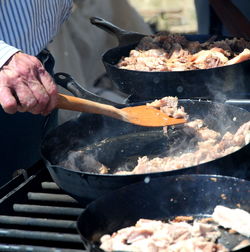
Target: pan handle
<point x="67" y="82"/>
<point x="124" y="37"/>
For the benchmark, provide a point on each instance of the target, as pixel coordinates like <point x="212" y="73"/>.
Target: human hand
<point x="25" y="86"/>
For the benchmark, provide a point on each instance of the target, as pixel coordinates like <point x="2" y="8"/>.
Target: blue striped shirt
<point x="29" y="25"/>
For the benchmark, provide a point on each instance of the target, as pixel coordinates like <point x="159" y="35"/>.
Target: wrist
<point x="6" y="52"/>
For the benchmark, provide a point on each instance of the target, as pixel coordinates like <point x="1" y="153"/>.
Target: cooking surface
<point x="35" y="215"/>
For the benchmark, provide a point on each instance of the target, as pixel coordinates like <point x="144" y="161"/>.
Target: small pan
<point x="164" y="199"/>
<point x="227" y="81"/>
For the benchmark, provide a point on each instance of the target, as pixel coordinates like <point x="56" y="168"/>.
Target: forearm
<point x="236" y="23"/>
<point x="6" y="51"/>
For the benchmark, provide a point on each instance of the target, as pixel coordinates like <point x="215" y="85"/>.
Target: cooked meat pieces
<point x="173" y="52"/>
<point x="169" y="106"/>
<point x="200" y="144"/>
<point x="155" y="60"/>
<point x="209" y="58"/>
<point x="169" y="101"/>
<point x="210" y="146"/>
<point x="236" y="219"/>
<point x="153" y="235"/>
<point x="158" y="236"/>
<point x="245" y="55"/>
<point x="205" y="134"/>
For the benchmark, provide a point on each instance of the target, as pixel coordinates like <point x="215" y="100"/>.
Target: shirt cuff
<point x="6" y="51"/>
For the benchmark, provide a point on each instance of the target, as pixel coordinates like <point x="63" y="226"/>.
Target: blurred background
<point x="176" y="16"/>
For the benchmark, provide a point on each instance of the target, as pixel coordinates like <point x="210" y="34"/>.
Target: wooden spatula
<point x="142" y="115"/>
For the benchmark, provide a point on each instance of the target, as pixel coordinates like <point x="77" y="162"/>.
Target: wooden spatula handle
<point x="82" y="105"/>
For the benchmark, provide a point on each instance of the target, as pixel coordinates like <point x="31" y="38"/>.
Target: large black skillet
<point x="163" y="199"/>
<point x="230" y="81"/>
<point x="116" y="143"/>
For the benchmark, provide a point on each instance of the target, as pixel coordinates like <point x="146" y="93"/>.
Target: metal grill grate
<point x="35" y="215"/>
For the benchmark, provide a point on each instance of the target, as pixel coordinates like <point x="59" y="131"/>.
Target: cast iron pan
<point x="163" y="199"/>
<point x="116" y="143"/>
<point x="229" y="81"/>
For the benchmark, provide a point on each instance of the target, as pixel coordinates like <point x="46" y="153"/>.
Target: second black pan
<point x="163" y="199"/>
<point x="116" y="143"/>
<point x="220" y="82"/>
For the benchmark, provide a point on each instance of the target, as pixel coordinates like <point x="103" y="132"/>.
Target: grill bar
<point x="26" y="248"/>
<point x="18" y="188"/>
<point x="25" y="208"/>
<point x="37" y="216"/>
<point x="49" y="186"/>
<point x="51" y="197"/>
<point x="39" y="222"/>
<point x="37" y="235"/>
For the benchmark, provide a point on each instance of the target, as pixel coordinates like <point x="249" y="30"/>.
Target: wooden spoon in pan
<point x="142" y="115"/>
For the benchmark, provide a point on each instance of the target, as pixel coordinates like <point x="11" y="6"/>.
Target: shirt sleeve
<point x="6" y="51"/>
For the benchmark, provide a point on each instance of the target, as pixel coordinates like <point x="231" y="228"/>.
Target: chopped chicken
<point x="236" y="219"/>
<point x="169" y="106"/>
<point x="245" y="55"/>
<point x="209" y="58"/>
<point x="172" y="52"/>
<point x="210" y="144"/>
<point x="207" y="134"/>
<point x="156" y="60"/>
<point x="154" y="235"/>
<point x="179" y="236"/>
<point x="204" y="145"/>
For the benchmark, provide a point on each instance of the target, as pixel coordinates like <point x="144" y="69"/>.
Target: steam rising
<point x="117" y="145"/>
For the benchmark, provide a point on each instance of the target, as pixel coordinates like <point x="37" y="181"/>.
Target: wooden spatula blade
<point x="151" y="117"/>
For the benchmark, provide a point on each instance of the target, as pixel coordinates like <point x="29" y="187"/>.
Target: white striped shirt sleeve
<point x="29" y="25"/>
<point x="6" y="51"/>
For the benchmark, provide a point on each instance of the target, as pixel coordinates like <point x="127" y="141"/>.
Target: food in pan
<point x="208" y="144"/>
<point x="169" y="106"/>
<point x="172" y="52"/>
<point x="236" y="219"/>
<point x="156" y="235"/>
<point x="196" y="144"/>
